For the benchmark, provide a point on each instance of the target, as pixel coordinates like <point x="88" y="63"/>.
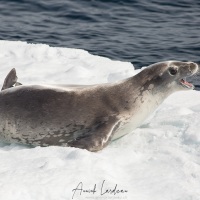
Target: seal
<point x="87" y="117"/>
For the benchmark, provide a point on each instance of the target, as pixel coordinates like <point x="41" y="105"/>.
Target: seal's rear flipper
<point x="10" y="79"/>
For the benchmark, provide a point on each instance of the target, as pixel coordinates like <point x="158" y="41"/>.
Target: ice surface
<point x="159" y="160"/>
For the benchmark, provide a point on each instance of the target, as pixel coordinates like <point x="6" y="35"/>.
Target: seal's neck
<point x="140" y="89"/>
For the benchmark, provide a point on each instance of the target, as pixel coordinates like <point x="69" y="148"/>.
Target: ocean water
<point x="141" y="32"/>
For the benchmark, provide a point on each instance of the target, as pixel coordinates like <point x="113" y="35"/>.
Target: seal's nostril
<point x="192" y="66"/>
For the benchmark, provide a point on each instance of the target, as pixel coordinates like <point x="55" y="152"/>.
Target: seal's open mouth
<point x="185" y="84"/>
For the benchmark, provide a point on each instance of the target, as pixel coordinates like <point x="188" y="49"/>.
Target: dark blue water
<point x="139" y="31"/>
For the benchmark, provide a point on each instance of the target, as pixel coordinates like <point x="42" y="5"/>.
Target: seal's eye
<point x="173" y="71"/>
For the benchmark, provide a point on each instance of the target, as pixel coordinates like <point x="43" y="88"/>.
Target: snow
<point x="159" y="160"/>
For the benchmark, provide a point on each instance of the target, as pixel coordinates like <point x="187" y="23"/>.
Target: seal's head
<point x="169" y="76"/>
<point x="179" y="71"/>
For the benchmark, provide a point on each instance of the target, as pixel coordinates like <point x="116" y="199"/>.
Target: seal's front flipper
<point x="99" y="139"/>
<point x="10" y="79"/>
